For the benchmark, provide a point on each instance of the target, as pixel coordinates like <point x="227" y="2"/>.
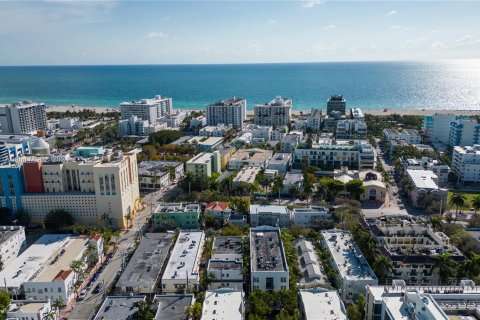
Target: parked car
<point x="82" y="294"/>
<point x="88" y="286"/>
<point x="97" y="288"/>
<point x="95" y="277"/>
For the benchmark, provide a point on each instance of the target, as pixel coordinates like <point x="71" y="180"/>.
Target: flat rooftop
<point x="201" y="158"/>
<point x="253" y="155"/>
<point x="260" y="208"/>
<point x="202" y="140"/>
<point x="280" y="158"/>
<point x="178" y="207"/>
<point x="146" y="264"/>
<point x="348" y="259"/>
<point x="310" y="209"/>
<point x="423" y="179"/>
<point x="228" y="102"/>
<point x="227" y="245"/>
<point x="150" y="167"/>
<point x="224" y="265"/>
<point x="322" y="304"/>
<point x="247" y="175"/>
<point x="33" y="259"/>
<point x="184" y="256"/>
<point x="173" y="307"/>
<point x="8" y="231"/>
<point x="118" y="307"/>
<point x="27" y="306"/>
<point x="266" y="250"/>
<point x="223" y="304"/>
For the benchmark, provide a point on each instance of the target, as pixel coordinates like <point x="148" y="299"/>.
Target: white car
<point x="82" y="294"/>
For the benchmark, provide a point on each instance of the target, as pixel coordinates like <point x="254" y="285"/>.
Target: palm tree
<point x="458" y="200"/>
<point x="57" y="305"/>
<point x="446" y="266"/>
<point x="227" y="184"/>
<point x="77" y="268"/>
<point x="476" y="204"/>
<point x="278" y="185"/>
<point x="49" y="315"/>
<point x="436" y="222"/>
<point x="307" y="191"/>
<point x="294" y="191"/>
<point x="107" y="221"/>
<point x="382" y="267"/>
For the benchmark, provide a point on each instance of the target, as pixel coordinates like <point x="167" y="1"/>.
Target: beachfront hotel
<point x="23" y="117"/>
<point x="336" y="103"/>
<point x="147" y="109"/>
<point x="274" y="113"/>
<point x="232" y="111"/>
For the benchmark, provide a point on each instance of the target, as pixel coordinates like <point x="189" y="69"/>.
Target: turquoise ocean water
<point x="368" y="85"/>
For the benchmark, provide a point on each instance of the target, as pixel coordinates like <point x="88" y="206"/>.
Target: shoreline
<point x="375" y="112"/>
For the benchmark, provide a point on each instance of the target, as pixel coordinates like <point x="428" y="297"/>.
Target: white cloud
<point x="392" y="13"/>
<point x="272" y="21"/>
<point x="401" y="27"/>
<point x="329" y="27"/>
<point x="420" y="39"/>
<point x="468" y="39"/>
<point x="439" y="45"/>
<point x="156" y="34"/>
<point x="311" y="3"/>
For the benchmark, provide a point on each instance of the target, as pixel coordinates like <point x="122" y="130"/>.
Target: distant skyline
<point x="55" y="32"/>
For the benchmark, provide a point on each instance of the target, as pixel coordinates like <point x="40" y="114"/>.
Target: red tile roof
<point x="96" y="236"/>
<point x="217" y="206"/>
<point x="62" y="275"/>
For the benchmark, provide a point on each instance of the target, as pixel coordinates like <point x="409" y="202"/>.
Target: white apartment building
<point x="279" y="133"/>
<point x="204" y="163"/>
<point x="410" y="135"/>
<point x="437" y="126"/>
<point x="147" y="109"/>
<point x="466" y="164"/>
<point x="23" y="117"/>
<point x="214" y="131"/>
<point x="290" y="142"/>
<point x="281" y="161"/>
<point x="259" y="133"/>
<point x="269" y="215"/>
<point x="198" y="122"/>
<point x="322" y="304"/>
<point x="424" y="189"/>
<point x="87" y="188"/>
<point x="356" y="113"/>
<point x="226" y="263"/>
<point x="12" y="242"/>
<point x="351" y="129"/>
<point x="425" y="163"/>
<point x="173" y="120"/>
<point x="182" y="272"/>
<point x="135" y="126"/>
<point x="464" y="132"/>
<point x="274" y="113"/>
<point x="28" y="309"/>
<point x="223" y="304"/>
<point x="232" y="111"/>
<point x="310" y="216"/>
<point x="354" y="273"/>
<point x="400" y="301"/>
<point x="246" y="175"/>
<point x="268" y="264"/>
<point x="314" y="120"/>
<point x="341" y="153"/>
<point x="159" y="174"/>
<point x="250" y="158"/>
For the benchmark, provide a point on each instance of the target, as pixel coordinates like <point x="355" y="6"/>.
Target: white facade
<point x="135" y="126"/>
<point x="230" y="112"/>
<point x="269" y="215"/>
<point x="226" y="263"/>
<point x="354" y="273"/>
<point x="182" y="269"/>
<point x="281" y="161"/>
<point x="308" y="216"/>
<point x="275" y="113"/>
<point x="356" y="113"/>
<point x="198" y="122"/>
<point x="23" y="117"/>
<point x="214" y="131"/>
<point x="410" y="135"/>
<point x="12" y="242"/>
<point x="173" y="120"/>
<point x="425" y="163"/>
<point x="425" y="188"/>
<point x="223" y="304"/>
<point x="147" y="109"/>
<point x="259" y="133"/>
<point x="466" y="163"/>
<point x="437" y="126"/>
<point x="28" y="309"/>
<point x="314" y="120"/>
<point x="316" y="304"/>
<point x="247" y="175"/>
<point x="464" y="132"/>
<point x="249" y="158"/>
<point x="204" y="163"/>
<point x="351" y="129"/>
<point x="268" y="264"/>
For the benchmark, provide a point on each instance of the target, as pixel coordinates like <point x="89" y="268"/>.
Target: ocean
<point x="370" y="85"/>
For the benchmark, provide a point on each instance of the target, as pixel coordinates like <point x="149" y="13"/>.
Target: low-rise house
<point x="219" y="210"/>
<point x="313" y="274"/>
<point x="269" y="215"/>
<point x="214" y="131"/>
<point x="142" y="274"/>
<point x="281" y="161"/>
<point x="204" y="163"/>
<point x="204" y="143"/>
<point x="425" y="163"/>
<point x="198" y="122"/>
<point x="173" y="307"/>
<point x="310" y="216"/>
<point x="225" y="264"/>
<point x="223" y="304"/>
<point x="375" y="188"/>
<point x="118" y="307"/>
<point x="246" y="175"/>
<point x="423" y="189"/>
<point x="12" y="243"/>
<point x="290" y="142"/>
<point x="292" y="179"/>
<point x="183" y="268"/>
<point x="322" y="304"/>
<point x="177" y="215"/>
<point x="353" y="270"/>
<point x="28" y="309"/>
<point x="158" y="174"/>
<point x="268" y="264"/>
<point x="250" y="158"/>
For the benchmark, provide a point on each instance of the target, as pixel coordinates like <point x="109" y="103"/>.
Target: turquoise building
<point x="177" y="215"/>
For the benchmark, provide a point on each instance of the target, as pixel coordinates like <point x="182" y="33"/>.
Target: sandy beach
<point x="413" y="112"/>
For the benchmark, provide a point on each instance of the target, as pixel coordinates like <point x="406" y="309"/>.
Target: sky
<point x="54" y="32"/>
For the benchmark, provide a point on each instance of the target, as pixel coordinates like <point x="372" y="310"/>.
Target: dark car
<point x="95" y="277"/>
<point x="97" y="288"/>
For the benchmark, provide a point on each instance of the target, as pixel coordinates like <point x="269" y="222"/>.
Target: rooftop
<point x="292" y="178"/>
<point x="223" y="304"/>
<point x="204" y="157"/>
<point x="147" y="262"/>
<point x="310" y="209"/>
<point x="152" y="167"/>
<point x="228" y="102"/>
<point x="280" y="158"/>
<point x="178" y="207"/>
<point x="227" y="245"/>
<point x="348" y="259"/>
<point x="254" y="155"/>
<point x="322" y="304"/>
<point x="217" y="264"/>
<point x="27" y="306"/>
<point x="118" y="307"/>
<point x="475" y="149"/>
<point x="8" y="231"/>
<point x="33" y="260"/>
<point x="173" y="307"/>
<point x="423" y="179"/>
<point x="247" y="175"/>
<point x="266" y="250"/>
<point x="204" y="141"/>
<point x="152" y="101"/>
<point x="184" y="256"/>
<point x="262" y="208"/>
<point x="309" y="261"/>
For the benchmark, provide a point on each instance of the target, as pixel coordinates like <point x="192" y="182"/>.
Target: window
<point x="283" y="279"/>
<point x="59" y="289"/>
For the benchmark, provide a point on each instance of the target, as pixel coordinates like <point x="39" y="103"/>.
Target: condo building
<point x="425" y="163"/>
<point x="204" y="163"/>
<point x="23" y="117"/>
<point x="466" y="164"/>
<point x="464" y="132"/>
<point x="322" y="304"/>
<point x="437" y="126"/>
<point x="351" y="129"/>
<point x="336" y="103"/>
<point x="223" y="304"/>
<point x="274" y="113"/>
<point x="226" y="263"/>
<point x="12" y="242"/>
<point x="151" y="110"/>
<point x="232" y="111"/>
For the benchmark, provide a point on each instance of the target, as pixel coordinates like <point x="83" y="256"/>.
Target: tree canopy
<point x="57" y="219"/>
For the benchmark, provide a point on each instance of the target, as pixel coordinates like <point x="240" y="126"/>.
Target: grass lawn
<point x="468" y="201"/>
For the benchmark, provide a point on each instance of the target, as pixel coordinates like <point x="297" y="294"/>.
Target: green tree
<point x="263" y="179"/>
<point x="334" y="187"/>
<point x="294" y="191"/>
<point x="355" y="188"/>
<point x="278" y="185"/>
<point x="476" y="204"/>
<point x="57" y="219"/>
<point x="77" y="267"/>
<point x="163" y="137"/>
<point x="23" y="218"/>
<point x="458" y="200"/>
<point x="446" y="267"/>
<point x="382" y="267"/>
<point x="195" y="311"/>
<point x="356" y="311"/>
<point x="144" y="310"/>
<point x="49" y="315"/>
<point x="307" y="191"/>
<point x="4" y="303"/>
<point x="57" y="305"/>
